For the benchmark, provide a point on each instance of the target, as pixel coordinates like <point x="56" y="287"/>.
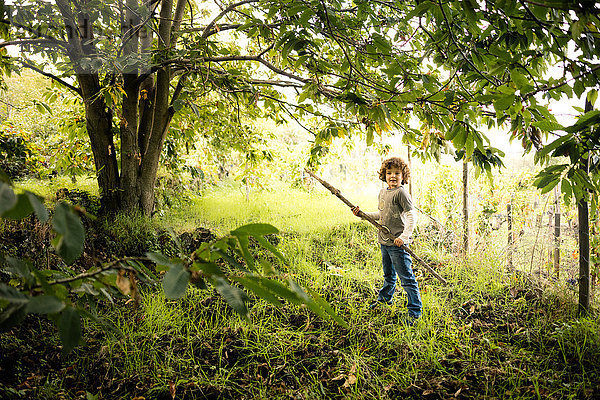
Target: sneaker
<point x="378" y="302"/>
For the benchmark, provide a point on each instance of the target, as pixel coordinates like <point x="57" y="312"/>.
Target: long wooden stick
<point x="384" y="230"/>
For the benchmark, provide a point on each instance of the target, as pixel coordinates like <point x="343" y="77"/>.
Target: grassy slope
<point x="486" y="335"/>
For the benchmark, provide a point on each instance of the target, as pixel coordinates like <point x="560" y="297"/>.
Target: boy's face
<point x="393" y="177"/>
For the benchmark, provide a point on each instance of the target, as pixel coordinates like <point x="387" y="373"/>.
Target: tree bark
<point x="466" y="207"/>
<point x="510" y="236"/>
<point x="584" y="256"/>
<point x="584" y="239"/>
<point x="556" y="233"/>
<point x="161" y="115"/>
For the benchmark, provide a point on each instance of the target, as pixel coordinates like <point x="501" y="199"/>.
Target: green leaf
<point x="245" y="252"/>
<point x="327" y="307"/>
<point x="265" y="243"/>
<point x="178" y="105"/>
<point x="578" y="88"/>
<point x="381" y="43"/>
<point x="44" y="304"/>
<point x="503" y="102"/>
<point x="544" y="151"/>
<point x="453" y="131"/>
<point x="7" y="198"/>
<point x="460" y="139"/>
<point x="38" y="207"/>
<point x="281" y="290"/>
<point x="469" y="10"/>
<point x="548" y="126"/>
<point x="551" y="185"/>
<point x="71" y="234"/>
<point x="255" y="230"/>
<point x="519" y="79"/>
<point x="592" y="96"/>
<point x="20" y="268"/>
<point x="160" y="259"/>
<point x="12" y="295"/>
<point x="209" y="268"/>
<point x="565" y="188"/>
<point x="232" y="295"/>
<point x="142" y="269"/>
<point x="419" y="10"/>
<point x="588" y="119"/>
<point x="69" y="329"/>
<point x="253" y="283"/>
<point x="469" y="145"/>
<point x="231" y="260"/>
<point x="21" y="210"/>
<point x="12" y="315"/>
<point x="175" y="281"/>
<point x="306" y="299"/>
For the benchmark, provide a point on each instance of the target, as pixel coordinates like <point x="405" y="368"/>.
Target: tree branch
<point x="51" y="76"/>
<point x="24" y="42"/>
<point x="547" y="88"/>
<point x="459" y="48"/>
<point x="111" y="265"/>
<point x="231" y="7"/>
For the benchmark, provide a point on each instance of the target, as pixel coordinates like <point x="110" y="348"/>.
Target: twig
<point x="109" y="266"/>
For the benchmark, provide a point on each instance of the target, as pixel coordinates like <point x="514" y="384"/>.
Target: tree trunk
<point x="556" y="233"/>
<point x="466" y="206"/>
<point x="584" y="256"/>
<point x="584" y="240"/>
<point x="99" y="128"/>
<point x="130" y="153"/>
<point x="510" y="236"/>
<point x="408" y="150"/>
<point x="146" y="111"/>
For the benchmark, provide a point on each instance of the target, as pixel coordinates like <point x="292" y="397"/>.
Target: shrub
<point x="18" y="158"/>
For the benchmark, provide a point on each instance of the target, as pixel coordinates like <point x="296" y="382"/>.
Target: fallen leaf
<point x="123" y="282"/>
<point x="351" y="380"/>
<point x="135" y="294"/>
<point x="172" y="389"/>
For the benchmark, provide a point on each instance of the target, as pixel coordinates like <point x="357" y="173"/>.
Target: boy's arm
<point x="409" y="219"/>
<point x="375" y="215"/>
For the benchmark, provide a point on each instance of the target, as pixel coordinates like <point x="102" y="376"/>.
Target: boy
<point x="397" y="214"/>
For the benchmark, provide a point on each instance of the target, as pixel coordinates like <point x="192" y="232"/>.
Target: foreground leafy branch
<point x="227" y="264"/>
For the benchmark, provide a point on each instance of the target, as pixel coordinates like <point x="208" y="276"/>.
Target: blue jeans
<point x="395" y="260"/>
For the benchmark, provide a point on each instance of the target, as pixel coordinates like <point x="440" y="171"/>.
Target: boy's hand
<point x="398" y="242"/>
<point x="355" y="210"/>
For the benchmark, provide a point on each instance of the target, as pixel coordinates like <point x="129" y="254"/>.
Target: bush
<point x="18" y="158"/>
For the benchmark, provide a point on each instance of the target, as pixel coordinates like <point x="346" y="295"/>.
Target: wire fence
<point x="535" y="235"/>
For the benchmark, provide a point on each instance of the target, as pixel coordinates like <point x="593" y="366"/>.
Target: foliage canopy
<point x="434" y="70"/>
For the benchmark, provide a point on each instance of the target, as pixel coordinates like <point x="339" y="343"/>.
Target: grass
<point x="488" y="334"/>
<point x="289" y="210"/>
<point x="48" y="188"/>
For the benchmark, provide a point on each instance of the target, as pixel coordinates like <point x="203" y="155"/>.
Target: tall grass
<point x="488" y="334"/>
<point x="289" y="210"/>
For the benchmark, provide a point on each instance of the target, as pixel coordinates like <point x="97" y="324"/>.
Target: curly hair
<point x="395" y="162"/>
